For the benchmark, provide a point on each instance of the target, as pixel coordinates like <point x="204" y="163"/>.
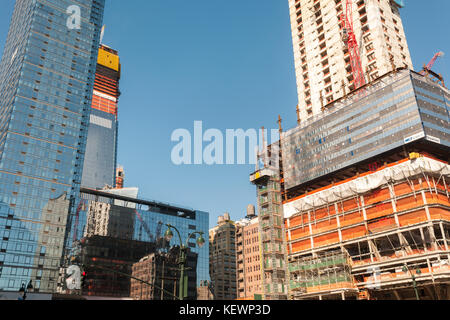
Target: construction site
<point x="370" y="222"/>
<point x="383" y="221"/>
<point x="362" y="186"/>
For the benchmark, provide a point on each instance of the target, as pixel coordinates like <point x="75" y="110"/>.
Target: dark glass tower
<point x="46" y="83"/>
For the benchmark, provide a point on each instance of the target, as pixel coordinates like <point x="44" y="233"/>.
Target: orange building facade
<point x="106" y="85"/>
<point x="383" y="227"/>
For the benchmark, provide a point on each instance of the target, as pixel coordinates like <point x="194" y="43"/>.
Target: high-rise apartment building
<point x="248" y="257"/>
<point x="100" y="161"/>
<point x="46" y="82"/>
<point x="322" y="60"/>
<point x="222" y="258"/>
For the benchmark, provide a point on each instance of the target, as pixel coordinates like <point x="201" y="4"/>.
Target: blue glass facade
<point x="139" y="222"/>
<point x="100" y="160"/>
<point x="403" y="108"/>
<point x="185" y="226"/>
<point x="46" y="82"/>
<point x="198" y="222"/>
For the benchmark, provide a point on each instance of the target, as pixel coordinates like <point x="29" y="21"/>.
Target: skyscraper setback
<point x="46" y="82"/>
<point x="100" y="161"/>
<point x="322" y="59"/>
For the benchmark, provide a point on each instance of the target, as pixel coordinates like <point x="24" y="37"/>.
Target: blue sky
<point x="227" y="63"/>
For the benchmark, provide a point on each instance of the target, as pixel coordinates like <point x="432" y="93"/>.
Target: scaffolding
<point x="396" y="215"/>
<point x="328" y="273"/>
<point x="268" y="180"/>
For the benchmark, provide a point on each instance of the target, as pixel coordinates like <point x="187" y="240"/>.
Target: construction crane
<point x="144" y="225"/>
<point x="77" y="220"/>
<point x="427" y="68"/>
<point x="158" y="230"/>
<point x="349" y="38"/>
<point x="160" y="241"/>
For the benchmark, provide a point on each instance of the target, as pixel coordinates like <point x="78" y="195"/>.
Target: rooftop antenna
<point x="280" y="128"/>
<point x="264" y="147"/>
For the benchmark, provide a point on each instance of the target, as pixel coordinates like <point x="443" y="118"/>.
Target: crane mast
<point x="77" y="220"/>
<point x="349" y="39"/>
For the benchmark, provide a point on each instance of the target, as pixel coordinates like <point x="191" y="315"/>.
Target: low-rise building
<point x="161" y="271"/>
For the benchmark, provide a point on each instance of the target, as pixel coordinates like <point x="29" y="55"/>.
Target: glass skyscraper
<point x="46" y="83"/>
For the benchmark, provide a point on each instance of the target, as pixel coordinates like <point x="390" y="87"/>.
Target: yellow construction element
<point x="414" y="155"/>
<point x="108" y="59"/>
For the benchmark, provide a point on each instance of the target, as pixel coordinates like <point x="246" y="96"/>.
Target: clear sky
<point x="227" y="63"/>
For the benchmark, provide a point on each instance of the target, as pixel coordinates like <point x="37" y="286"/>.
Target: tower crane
<point x="77" y="220"/>
<point x="158" y="230"/>
<point x="349" y="38"/>
<point x="427" y="68"/>
<point x="144" y="225"/>
<point x="160" y="241"/>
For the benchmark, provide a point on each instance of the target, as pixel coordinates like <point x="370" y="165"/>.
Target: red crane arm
<point x="431" y="63"/>
<point x="144" y="225"/>
<point x="352" y="44"/>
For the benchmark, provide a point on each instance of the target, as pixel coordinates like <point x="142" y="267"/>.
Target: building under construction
<point x="100" y="160"/>
<point x="365" y="193"/>
<point x="269" y="180"/>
